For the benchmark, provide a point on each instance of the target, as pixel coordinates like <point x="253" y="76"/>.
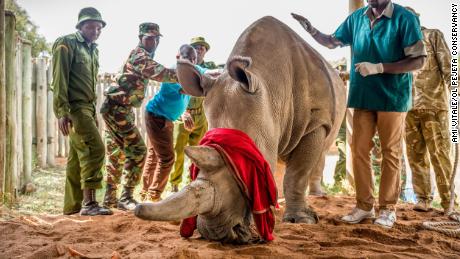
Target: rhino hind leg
<point x="303" y="159"/>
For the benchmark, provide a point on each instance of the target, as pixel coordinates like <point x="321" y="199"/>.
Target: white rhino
<point x="277" y="89"/>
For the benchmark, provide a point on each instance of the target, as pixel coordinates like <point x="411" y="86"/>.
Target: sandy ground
<point x="124" y="236"/>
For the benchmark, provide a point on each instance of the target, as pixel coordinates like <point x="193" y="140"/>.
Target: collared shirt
<point x="170" y="102"/>
<point x="432" y="81"/>
<point x="75" y="68"/>
<point x="197" y="102"/>
<point x="137" y="71"/>
<point x="391" y="37"/>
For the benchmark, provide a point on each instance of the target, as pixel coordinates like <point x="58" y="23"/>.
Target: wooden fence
<point x="28" y="127"/>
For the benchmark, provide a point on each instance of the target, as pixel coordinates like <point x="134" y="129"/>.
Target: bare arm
<point x="406" y="65"/>
<point x="326" y="40"/>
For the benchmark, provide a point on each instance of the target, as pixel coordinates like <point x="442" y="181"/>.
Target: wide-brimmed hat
<point x="89" y="14"/>
<point x="200" y="41"/>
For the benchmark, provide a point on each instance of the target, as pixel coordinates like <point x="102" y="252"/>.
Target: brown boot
<point x="126" y="201"/>
<point x="422" y="205"/>
<point x="110" y="197"/>
<point x="90" y="205"/>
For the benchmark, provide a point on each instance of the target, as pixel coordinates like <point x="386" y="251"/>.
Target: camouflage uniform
<point x="182" y="137"/>
<point x="340" y="171"/>
<point x="125" y="147"/>
<point x="427" y="123"/>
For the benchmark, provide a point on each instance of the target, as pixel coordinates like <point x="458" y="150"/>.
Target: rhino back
<point x="300" y="86"/>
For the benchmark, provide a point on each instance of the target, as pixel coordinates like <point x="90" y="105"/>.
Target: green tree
<point x="27" y="29"/>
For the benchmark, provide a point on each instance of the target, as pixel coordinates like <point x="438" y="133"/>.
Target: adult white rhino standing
<point x="287" y="98"/>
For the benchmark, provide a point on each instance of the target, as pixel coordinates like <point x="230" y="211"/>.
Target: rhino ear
<point x="206" y="158"/>
<point x="190" y="79"/>
<point x="238" y="69"/>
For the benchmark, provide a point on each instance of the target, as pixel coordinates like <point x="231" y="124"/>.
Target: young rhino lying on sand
<point x="287" y="99"/>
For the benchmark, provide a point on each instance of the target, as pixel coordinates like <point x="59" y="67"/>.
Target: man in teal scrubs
<point x="386" y="43"/>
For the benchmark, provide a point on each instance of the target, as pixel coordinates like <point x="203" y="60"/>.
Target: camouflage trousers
<point x="125" y="148"/>
<point x="182" y="137"/>
<point x="427" y="138"/>
<point x="340" y="172"/>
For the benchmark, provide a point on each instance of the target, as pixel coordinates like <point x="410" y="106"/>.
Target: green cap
<point x="200" y="41"/>
<point x="149" y="29"/>
<point x="89" y="14"/>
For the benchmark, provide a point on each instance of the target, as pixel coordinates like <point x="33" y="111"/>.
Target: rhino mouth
<point x="226" y="228"/>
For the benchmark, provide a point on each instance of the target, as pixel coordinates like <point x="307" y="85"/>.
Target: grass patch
<point x="49" y="196"/>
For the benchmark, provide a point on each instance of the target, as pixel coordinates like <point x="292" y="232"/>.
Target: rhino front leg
<point x="299" y="167"/>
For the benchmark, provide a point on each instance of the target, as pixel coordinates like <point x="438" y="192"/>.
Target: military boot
<point x="126" y="201"/>
<point x="110" y="197"/>
<point x="90" y="206"/>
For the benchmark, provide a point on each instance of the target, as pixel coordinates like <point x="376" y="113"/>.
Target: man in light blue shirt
<point x="164" y="108"/>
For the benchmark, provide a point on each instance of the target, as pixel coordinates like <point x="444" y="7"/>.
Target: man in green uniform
<point x="195" y="111"/>
<point x="126" y="150"/>
<point x="75" y="67"/>
<point x="427" y="124"/>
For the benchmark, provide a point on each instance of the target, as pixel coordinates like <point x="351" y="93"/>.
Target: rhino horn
<point x="196" y="198"/>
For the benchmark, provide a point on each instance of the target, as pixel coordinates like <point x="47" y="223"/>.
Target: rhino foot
<point x="305" y="215"/>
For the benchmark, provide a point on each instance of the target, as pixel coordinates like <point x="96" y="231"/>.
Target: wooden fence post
<point x="40" y="112"/>
<point x="19" y="139"/>
<point x="34" y="112"/>
<point x="11" y="134"/>
<point x="51" y="121"/>
<point x="27" y="111"/>
<point x="2" y="98"/>
<point x="99" y="100"/>
<point x="353" y="5"/>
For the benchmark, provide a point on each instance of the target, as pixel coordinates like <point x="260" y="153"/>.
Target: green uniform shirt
<point x="386" y="42"/>
<point x="197" y="102"/>
<point x="75" y="68"/>
<point x="432" y="81"/>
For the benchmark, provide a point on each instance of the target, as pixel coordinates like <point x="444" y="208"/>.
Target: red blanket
<point x="251" y="171"/>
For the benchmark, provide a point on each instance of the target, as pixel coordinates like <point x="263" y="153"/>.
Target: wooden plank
<point x="27" y="111"/>
<point x="2" y="97"/>
<point x="11" y="134"/>
<point x="40" y="113"/>
<point x="19" y="139"/>
<point x="353" y="6"/>
<point x="51" y="121"/>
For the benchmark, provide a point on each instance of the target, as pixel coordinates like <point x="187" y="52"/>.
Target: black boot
<point x="90" y="205"/>
<point x="110" y="197"/>
<point x="126" y="201"/>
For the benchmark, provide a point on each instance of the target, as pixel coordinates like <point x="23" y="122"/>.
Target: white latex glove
<point x="189" y="124"/>
<point x="367" y="69"/>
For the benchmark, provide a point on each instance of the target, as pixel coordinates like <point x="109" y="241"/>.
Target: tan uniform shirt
<point x="431" y="83"/>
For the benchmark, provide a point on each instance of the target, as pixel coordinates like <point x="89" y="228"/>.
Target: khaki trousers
<point x="390" y="126"/>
